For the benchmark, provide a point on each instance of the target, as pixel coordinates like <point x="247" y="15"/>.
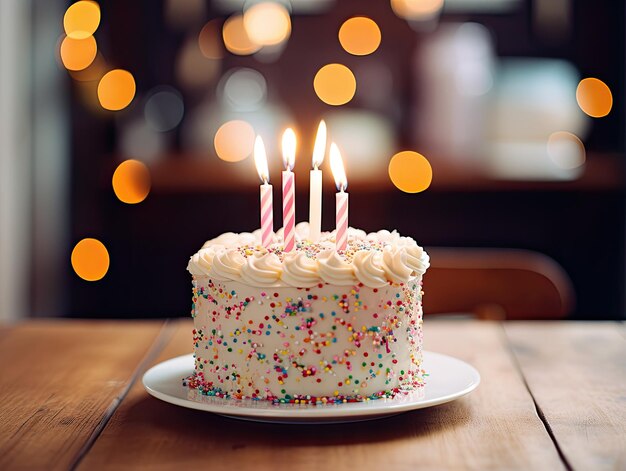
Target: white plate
<point x="449" y="379"/>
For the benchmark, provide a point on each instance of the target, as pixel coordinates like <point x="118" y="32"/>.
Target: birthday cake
<point x="313" y="325"/>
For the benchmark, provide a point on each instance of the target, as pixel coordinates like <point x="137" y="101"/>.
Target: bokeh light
<point x="410" y="172"/>
<point x="90" y="259"/>
<point x="116" y="90"/>
<point x="566" y="150"/>
<point x="81" y="19"/>
<point x="416" y="9"/>
<point x="131" y="181"/>
<point x="375" y="84"/>
<point x="210" y="40"/>
<point x="236" y="38"/>
<point x="234" y="140"/>
<point x="184" y="15"/>
<point x="270" y="54"/>
<point x="594" y="97"/>
<point x="335" y="84"/>
<point x="370" y="138"/>
<point x="359" y="36"/>
<point x="193" y="69"/>
<point x="78" y="54"/>
<point x="164" y="109"/>
<point x="267" y="23"/>
<point x="141" y="141"/>
<point x="243" y="89"/>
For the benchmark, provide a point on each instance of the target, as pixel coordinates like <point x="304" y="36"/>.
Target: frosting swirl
<point x="227" y="265"/>
<point x="334" y="269"/>
<point x="394" y="263"/>
<point x="299" y="270"/>
<point x="368" y="269"/>
<point x="262" y="269"/>
<point x="201" y="262"/>
<point x="416" y="258"/>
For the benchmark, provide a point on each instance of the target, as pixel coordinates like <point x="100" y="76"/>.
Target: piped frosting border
<point x="373" y="259"/>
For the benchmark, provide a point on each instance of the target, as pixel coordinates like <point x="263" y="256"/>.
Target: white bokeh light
<point x="243" y="89"/>
<point x="566" y="150"/>
<point x="164" y="109"/>
<point x="140" y="141"/>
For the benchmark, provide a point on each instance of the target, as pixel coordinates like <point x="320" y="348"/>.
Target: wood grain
<point x="58" y="380"/>
<point x="577" y="375"/>
<point x="496" y="427"/>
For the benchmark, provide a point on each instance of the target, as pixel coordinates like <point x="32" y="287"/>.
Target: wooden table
<point x="553" y="396"/>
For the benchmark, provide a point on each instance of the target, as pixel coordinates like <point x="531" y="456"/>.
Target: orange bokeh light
<point x="410" y="172"/>
<point x="359" y="36"/>
<point x="416" y="9"/>
<point x="81" y="19"/>
<point x="90" y="259"/>
<point x="131" y="181"/>
<point x="236" y="38"/>
<point x="78" y="54"/>
<point x="116" y="90"/>
<point x="594" y="97"/>
<point x="234" y="140"/>
<point x="210" y="41"/>
<point x="335" y="84"/>
<point x="267" y="23"/>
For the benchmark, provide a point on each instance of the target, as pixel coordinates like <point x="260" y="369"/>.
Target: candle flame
<point x="336" y="165"/>
<point x="289" y="148"/>
<point x="260" y="160"/>
<point x="319" y="149"/>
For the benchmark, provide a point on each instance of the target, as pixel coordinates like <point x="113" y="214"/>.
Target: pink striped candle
<point x="341" y="238"/>
<point x="341" y="208"/>
<point x="289" y="193"/>
<point x="267" y="216"/>
<point x="267" y="208"/>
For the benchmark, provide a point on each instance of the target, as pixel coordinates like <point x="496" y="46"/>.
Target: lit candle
<point x="315" y="201"/>
<point x="289" y="194"/>
<point x="267" y="210"/>
<point x="336" y="165"/>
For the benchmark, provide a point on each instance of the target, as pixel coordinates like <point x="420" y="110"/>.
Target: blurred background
<point x="126" y="133"/>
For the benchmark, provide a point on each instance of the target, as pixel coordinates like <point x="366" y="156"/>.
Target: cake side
<point x="321" y="344"/>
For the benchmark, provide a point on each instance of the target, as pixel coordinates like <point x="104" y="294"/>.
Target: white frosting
<point x="334" y="269"/>
<point x="395" y="264"/>
<point x="299" y="270"/>
<point x="373" y="259"/>
<point x="416" y="258"/>
<point x="262" y="269"/>
<point x="200" y="263"/>
<point x="227" y="265"/>
<point x="368" y="268"/>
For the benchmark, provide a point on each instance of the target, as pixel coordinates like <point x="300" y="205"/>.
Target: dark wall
<point x="150" y="243"/>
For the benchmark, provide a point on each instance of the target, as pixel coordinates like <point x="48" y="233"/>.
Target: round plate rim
<point x="374" y="409"/>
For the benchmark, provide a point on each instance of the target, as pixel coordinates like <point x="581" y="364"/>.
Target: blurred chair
<point x="497" y="284"/>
